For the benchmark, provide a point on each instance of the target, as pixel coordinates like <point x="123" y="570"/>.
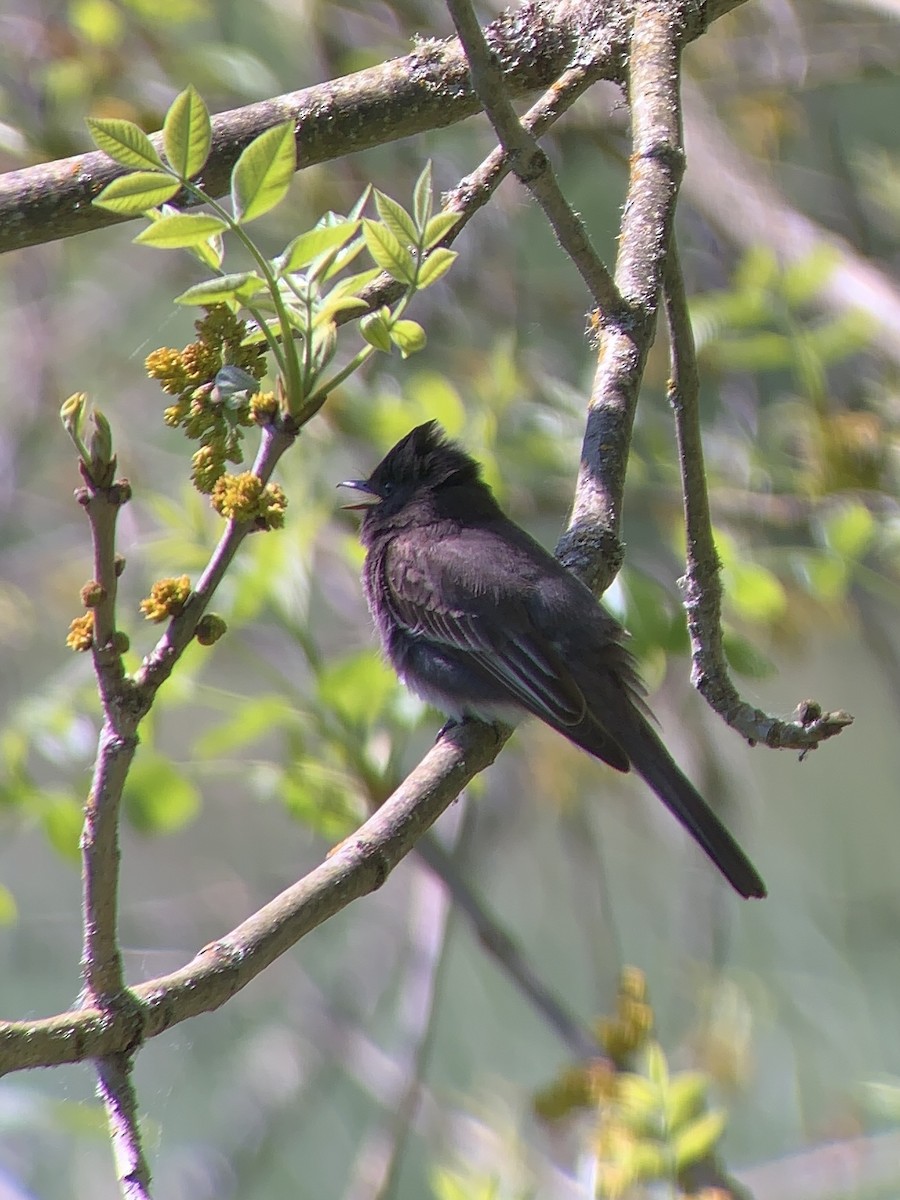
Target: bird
<point x="478" y="619"/>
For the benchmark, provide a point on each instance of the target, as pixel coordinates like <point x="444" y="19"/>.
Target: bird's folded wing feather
<point x="428" y="598"/>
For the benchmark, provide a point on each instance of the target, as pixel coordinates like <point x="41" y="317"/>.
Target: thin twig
<point x="476" y="189"/>
<point x="101" y="960"/>
<point x="506" y="953"/>
<point x="528" y="160"/>
<point x="701" y="586"/>
<point x="590" y="546"/>
<point x="158" y="665"/>
<point x="117" y="1093"/>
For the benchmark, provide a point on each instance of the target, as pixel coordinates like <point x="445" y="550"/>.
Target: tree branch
<point x="117" y="1093"/>
<point x="223" y="968"/>
<point x="529" y="161"/>
<point x="701" y="586"/>
<point x="428" y="89"/>
<point x="590" y="546"/>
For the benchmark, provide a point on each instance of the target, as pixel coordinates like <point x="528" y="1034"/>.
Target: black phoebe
<point x="479" y="620"/>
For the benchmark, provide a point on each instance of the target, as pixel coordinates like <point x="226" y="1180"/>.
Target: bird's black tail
<point x="652" y="761"/>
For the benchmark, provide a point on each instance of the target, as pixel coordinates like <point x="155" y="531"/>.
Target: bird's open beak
<point x="360" y="485"/>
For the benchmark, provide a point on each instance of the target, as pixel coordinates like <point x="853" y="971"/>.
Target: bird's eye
<point x="386" y="489"/>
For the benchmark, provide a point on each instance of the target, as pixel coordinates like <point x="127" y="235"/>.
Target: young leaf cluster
<point x="297" y="299"/>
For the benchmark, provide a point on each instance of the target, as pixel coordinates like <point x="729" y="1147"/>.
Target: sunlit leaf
<point x="656" y="1065"/>
<point x="801" y="281"/>
<point x="158" y="798"/>
<point x="358" y="687"/>
<point x="698" y="1139"/>
<point x="439" y="226"/>
<point x="239" y="287"/>
<point x="754" y="591"/>
<point x="388" y="253"/>
<point x="397" y="219"/>
<point x="849" y="529"/>
<point x="62" y="818"/>
<point x="187" y="133"/>
<point x="408" y="337"/>
<point x="422" y="197"/>
<point x="376" y="331"/>
<point x="685" y="1098"/>
<point x="180" y="230"/>
<point x="131" y="195"/>
<point x="323" y="798"/>
<point x="124" y="142"/>
<point x="435" y="266"/>
<point x="746" y="659"/>
<point x="8" y="910"/>
<point x="308" y="246"/>
<point x="263" y="173"/>
<point x="253" y="720"/>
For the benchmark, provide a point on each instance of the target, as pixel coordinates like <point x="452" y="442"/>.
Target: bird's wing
<point x="488" y="623"/>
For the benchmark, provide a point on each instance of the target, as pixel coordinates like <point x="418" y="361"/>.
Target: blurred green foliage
<point x="270" y="747"/>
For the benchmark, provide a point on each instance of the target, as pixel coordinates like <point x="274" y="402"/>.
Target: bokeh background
<point x="387" y="1045"/>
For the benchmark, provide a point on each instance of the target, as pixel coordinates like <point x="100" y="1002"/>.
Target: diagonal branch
<point x="428" y="89"/>
<point x="361" y="865"/>
<point x="475" y="190"/>
<point x="701" y="585"/>
<point x="528" y="160"/>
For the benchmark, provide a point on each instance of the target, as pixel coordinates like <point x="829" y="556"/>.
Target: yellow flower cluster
<point x="632" y="1025"/>
<point x="189" y="375"/>
<point x="167" y="598"/>
<point x="81" y="632"/>
<point x="244" y="498"/>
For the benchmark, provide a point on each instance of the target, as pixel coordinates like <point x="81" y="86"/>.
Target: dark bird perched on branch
<point x="479" y="620"/>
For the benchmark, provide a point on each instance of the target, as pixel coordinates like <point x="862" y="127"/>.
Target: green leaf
<point x="308" y="246"/>
<point x="802" y="281"/>
<point x="241" y="286"/>
<point x="62" y="819"/>
<point x="187" y="133"/>
<point x="757" y="271"/>
<point x="8" y="910"/>
<point x="210" y="253"/>
<point x="358" y="687"/>
<point x="124" y="142"/>
<point x="744" y="658"/>
<point x="656" y="1066"/>
<point x="323" y="798"/>
<point x="354" y="284"/>
<point x="181" y="229"/>
<point x="397" y="219"/>
<point x="685" y="1098"/>
<point x="376" y="331"/>
<point x="637" y="1100"/>
<point x="422" y="196"/>
<point x="263" y="173"/>
<point x="754" y="352"/>
<point x="826" y="574"/>
<point x="157" y="797"/>
<point x="438" y="227"/>
<point x="754" y="591"/>
<point x="435" y="266"/>
<point x="849" y="530"/>
<point x="131" y="195"/>
<point x="699" y="1138"/>
<point x="388" y="253"/>
<point x="408" y="337"/>
<point x="256" y="719"/>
